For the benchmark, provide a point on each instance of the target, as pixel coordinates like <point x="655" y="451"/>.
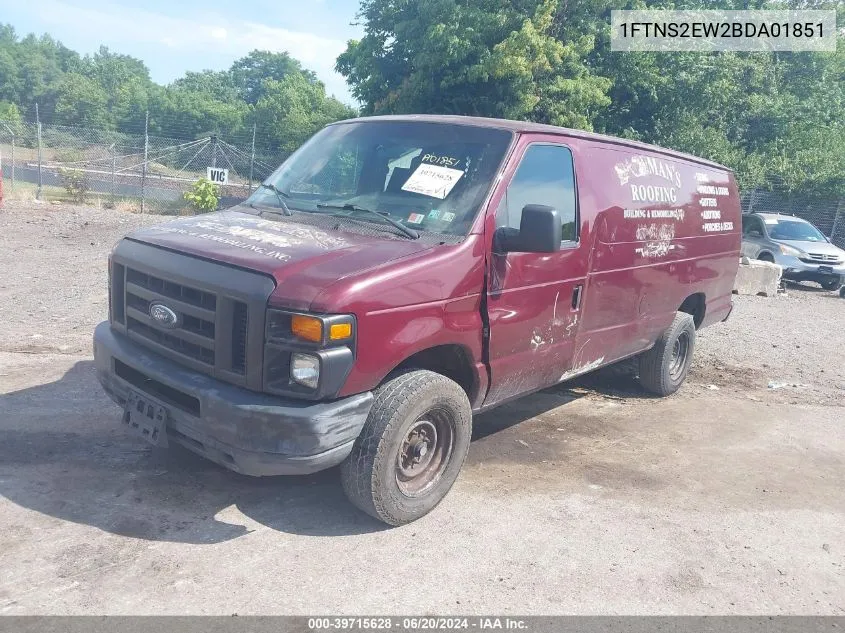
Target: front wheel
<point x="411" y="448"/>
<point x="664" y="367"/>
<point x="830" y="284"/>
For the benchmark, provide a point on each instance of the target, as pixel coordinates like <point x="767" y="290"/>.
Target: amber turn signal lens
<point x="307" y="327"/>
<point x="340" y="331"/>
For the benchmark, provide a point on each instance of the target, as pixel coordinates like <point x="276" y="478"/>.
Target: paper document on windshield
<point x="433" y="180"/>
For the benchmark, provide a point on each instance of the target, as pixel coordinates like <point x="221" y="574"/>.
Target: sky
<point x="174" y="36"/>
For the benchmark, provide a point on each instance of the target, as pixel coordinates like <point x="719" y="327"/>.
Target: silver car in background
<point x="803" y="252"/>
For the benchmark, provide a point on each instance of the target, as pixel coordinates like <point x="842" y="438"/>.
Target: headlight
<point x="307" y="355"/>
<point x="305" y="369"/>
<point x="788" y="250"/>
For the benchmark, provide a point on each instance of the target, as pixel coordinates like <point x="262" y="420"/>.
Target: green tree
<point x="479" y="57"/>
<point x="216" y="84"/>
<point x="81" y="101"/>
<point x="293" y="109"/>
<point x="249" y="73"/>
<point x="9" y="113"/>
<point x="187" y="114"/>
<point x="113" y="91"/>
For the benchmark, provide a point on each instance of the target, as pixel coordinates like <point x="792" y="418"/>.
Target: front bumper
<point x="797" y="270"/>
<point x="248" y="432"/>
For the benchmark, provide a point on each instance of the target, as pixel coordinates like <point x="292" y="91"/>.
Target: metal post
<point x="38" y="132"/>
<point x="113" y="166"/>
<point x="12" y="134"/>
<point x="251" y="161"/>
<point x="144" y="166"/>
<point x="213" y="151"/>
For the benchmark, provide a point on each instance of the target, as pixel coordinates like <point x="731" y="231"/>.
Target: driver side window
<point x="751" y="224"/>
<point x="545" y="175"/>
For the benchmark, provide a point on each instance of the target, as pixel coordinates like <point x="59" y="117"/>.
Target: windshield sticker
<point x="448" y="216"/>
<point x="416" y="218"/>
<point x="434" y="214"/>
<point x="443" y="161"/>
<point x="433" y="181"/>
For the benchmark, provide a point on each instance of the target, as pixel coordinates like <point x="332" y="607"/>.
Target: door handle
<point x="576" y="297"/>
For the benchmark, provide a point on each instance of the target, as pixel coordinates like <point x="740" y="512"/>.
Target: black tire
<point x="842" y="292"/>
<point x="766" y="257"/>
<point x="665" y="366"/>
<point x="410" y="408"/>
<point x="830" y="284"/>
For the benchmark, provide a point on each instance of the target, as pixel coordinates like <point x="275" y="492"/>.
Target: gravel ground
<point x="585" y="498"/>
<point x="54" y="286"/>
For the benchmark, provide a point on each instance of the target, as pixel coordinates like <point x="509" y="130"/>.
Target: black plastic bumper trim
<point x="248" y="432"/>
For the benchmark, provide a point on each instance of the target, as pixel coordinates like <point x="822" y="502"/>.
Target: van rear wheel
<point x="411" y="448"/>
<point x="665" y="366"/>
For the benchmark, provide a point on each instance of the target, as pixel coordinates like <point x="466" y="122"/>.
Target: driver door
<point x="534" y="299"/>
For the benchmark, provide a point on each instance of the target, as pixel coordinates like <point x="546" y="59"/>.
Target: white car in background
<point x="797" y="246"/>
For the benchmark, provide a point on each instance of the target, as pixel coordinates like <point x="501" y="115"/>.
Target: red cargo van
<point x="398" y="274"/>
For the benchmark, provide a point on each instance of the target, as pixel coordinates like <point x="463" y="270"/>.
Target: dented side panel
<point x="533" y="300"/>
<point x="654" y="229"/>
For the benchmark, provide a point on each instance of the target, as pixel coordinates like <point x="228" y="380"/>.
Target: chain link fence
<point x="826" y="213"/>
<point x="139" y="172"/>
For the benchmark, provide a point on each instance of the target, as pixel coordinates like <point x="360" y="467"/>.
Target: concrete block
<point x="757" y="278"/>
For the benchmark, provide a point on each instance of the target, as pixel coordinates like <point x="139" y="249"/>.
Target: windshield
<point x="797" y="231"/>
<point x="429" y="176"/>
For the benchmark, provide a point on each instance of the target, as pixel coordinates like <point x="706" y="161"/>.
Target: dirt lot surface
<point x="728" y="497"/>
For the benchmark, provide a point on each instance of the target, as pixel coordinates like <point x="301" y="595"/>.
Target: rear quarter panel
<point x="665" y="229"/>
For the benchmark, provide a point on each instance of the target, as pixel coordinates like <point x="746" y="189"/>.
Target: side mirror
<point x="539" y="232"/>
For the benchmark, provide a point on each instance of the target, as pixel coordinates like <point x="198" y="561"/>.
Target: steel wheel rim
<point x="424" y="453"/>
<point x="680" y="351"/>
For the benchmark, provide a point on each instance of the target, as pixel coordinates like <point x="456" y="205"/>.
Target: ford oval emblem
<point x="163" y="316"/>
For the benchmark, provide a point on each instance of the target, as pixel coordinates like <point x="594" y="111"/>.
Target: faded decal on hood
<point x="256" y="235"/>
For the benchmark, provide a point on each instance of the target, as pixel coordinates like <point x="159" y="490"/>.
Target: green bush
<point x="75" y="183"/>
<point x="203" y="196"/>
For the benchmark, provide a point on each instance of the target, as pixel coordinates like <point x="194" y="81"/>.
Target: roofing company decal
<point x="709" y="202"/>
<point x="644" y="166"/>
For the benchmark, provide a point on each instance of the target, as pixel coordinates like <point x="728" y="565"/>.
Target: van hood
<point x="302" y="259"/>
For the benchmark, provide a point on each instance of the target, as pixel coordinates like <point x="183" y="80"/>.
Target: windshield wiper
<point x="281" y="195"/>
<point x="409" y="232"/>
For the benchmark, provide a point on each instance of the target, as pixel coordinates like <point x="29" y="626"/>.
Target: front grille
<point x="201" y="328"/>
<point x="164" y="288"/>
<point x="239" y="331"/>
<point x="117" y="279"/>
<point x="172" y="342"/>
<point x="813" y="258"/>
